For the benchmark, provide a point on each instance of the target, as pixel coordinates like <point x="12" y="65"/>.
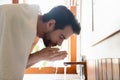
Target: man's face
<point x="56" y="37"/>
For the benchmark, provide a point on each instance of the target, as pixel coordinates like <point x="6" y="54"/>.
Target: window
<point x="40" y="45"/>
<point x="46" y="5"/>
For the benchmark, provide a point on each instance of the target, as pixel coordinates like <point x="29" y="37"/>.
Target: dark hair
<point x="63" y="17"/>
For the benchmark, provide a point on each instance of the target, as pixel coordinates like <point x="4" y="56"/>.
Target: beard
<point x="47" y="41"/>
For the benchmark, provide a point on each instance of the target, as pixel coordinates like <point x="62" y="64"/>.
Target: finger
<point x="61" y="53"/>
<point x="58" y="57"/>
<point x="51" y="49"/>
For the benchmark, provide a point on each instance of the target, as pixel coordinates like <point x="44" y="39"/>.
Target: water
<point x="65" y="70"/>
<point x="56" y="70"/>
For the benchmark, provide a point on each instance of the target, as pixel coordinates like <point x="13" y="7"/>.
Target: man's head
<point x="63" y="25"/>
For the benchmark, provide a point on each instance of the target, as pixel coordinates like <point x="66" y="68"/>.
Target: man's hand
<point x="49" y="54"/>
<point x="52" y="54"/>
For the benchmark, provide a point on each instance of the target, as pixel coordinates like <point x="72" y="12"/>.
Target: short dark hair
<point x="63" y="17"/>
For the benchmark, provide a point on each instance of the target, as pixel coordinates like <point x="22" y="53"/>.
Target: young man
<point x="21" y="25"/>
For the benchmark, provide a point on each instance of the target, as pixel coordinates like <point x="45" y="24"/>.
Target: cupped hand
<point x="52" y="54"/>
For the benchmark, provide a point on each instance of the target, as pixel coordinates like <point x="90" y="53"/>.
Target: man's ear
<point x="51" y="24"/>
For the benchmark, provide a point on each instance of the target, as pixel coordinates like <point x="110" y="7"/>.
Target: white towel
<point x="18" y="24"/>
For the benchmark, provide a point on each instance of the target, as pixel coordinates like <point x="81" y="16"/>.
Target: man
<point x="20" y="26"/>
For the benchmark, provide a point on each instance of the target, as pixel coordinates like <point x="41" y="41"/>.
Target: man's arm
<point x="33" y="58"/>
<point x="32" y="55"/>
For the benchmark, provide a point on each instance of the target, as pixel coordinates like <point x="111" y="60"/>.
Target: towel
<point x="18" y="24"/>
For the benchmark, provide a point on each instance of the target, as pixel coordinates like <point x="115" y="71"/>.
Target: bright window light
<point x="46" y="5"/>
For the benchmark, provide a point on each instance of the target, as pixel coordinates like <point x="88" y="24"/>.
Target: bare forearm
<point x="33" y="58"/>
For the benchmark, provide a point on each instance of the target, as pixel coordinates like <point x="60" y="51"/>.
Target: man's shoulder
<point x="20" y="5"/>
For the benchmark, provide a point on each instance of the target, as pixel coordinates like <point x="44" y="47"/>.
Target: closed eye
<point x="62" y="37"/>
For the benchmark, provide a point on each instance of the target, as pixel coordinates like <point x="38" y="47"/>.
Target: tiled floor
<point x="51" y="77"/>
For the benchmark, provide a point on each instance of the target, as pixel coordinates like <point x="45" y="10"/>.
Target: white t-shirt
<point x="18" y="24"/>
